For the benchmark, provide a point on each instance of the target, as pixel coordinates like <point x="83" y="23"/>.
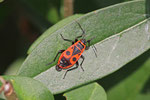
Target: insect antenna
<point x="83" y="36"/>
<point x="83" y="31"/>
<point x="94" y="47"/>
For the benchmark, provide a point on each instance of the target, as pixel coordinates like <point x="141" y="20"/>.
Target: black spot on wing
<point x="74" y="59"/>
<point x="68" y="53"/>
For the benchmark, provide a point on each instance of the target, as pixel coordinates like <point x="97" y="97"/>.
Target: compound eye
<point x="58" y="68"/>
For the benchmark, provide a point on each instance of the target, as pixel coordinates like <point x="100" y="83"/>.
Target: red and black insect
<point x="70" y="56"/>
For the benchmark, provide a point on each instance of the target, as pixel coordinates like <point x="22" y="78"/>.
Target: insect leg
<point x="82" y="62"/>
<point x="93" y="47"/>
<point x="77" y="64"/>
<point x="95" y="50"/>
<point x="60" y="51"/>
<point x="65" y="39"/>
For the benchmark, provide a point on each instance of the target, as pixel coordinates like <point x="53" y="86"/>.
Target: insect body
<point x="71" y="56"/>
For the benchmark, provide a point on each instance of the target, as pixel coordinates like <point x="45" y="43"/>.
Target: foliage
<point x="122" y="32"/>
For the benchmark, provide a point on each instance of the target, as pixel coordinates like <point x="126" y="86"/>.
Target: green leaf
<point x="29" y="89"/>
<point x="1" y="0"/>
<point x="92" y="91"/>
<point x="40" y="13"/>
<point x="124" y="30"/>
<point x="13" y="68"/>
<point x="143" y="97"/>
<point x="52" y="30"/>
<point x="131" y="87"/>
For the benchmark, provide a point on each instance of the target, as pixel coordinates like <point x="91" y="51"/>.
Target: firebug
<point x="70" y="56"/>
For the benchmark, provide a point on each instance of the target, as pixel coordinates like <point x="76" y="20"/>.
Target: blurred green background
<point x="22" y="21"/>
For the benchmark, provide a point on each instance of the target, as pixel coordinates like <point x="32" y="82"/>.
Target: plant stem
<point x="68" y="8"/>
